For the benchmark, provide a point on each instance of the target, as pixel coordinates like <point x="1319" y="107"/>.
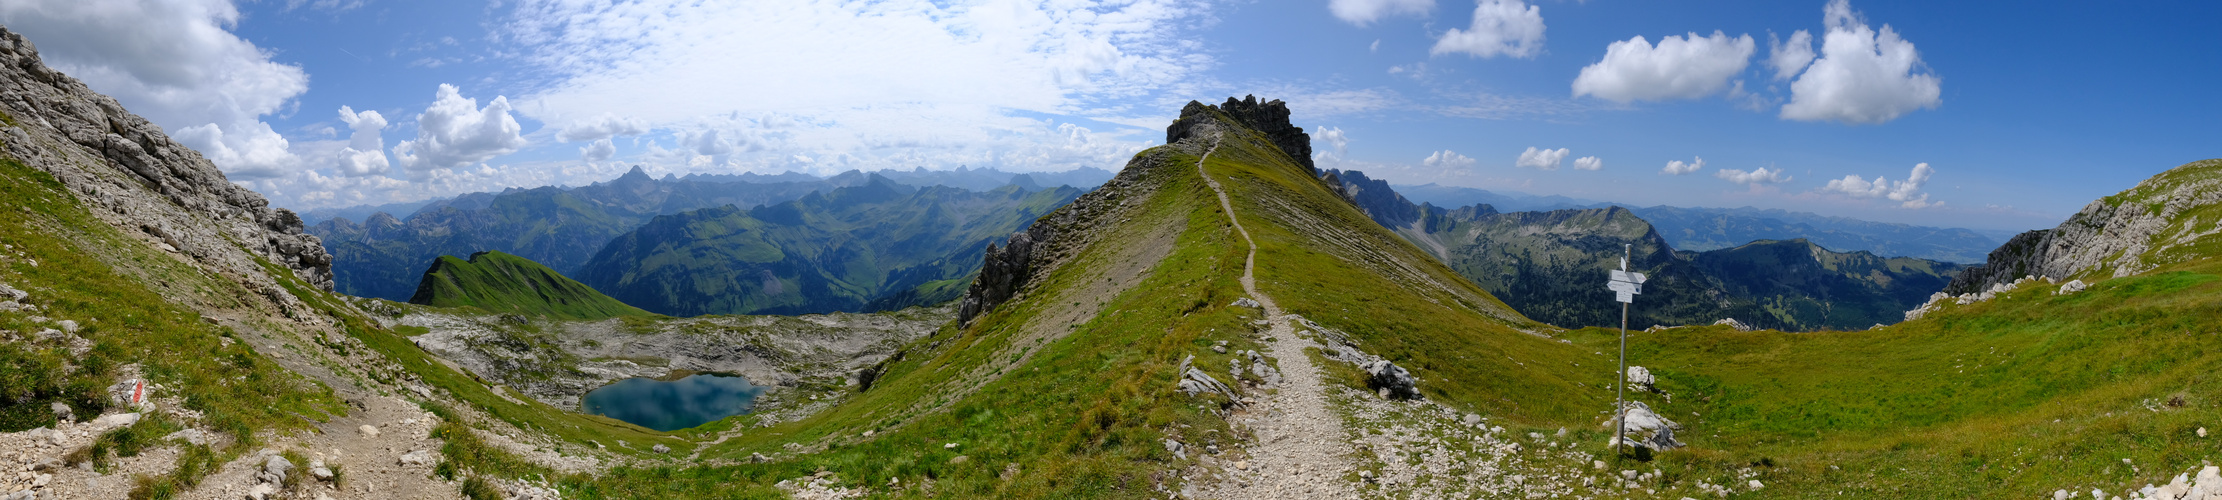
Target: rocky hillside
<point x="507" y="284"/>
<point x="874" y="247"/>
<point x="2172" y="217"/>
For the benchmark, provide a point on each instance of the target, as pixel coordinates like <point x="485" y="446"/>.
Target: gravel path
<point x="1298" y="452"/>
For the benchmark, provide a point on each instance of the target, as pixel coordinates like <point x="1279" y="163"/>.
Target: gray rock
<point x="68" y="326"/>
<point x="1647" y="429"/>
<point x="1002" y="272"/>
<point x="660" y="448"/>
<point x="2071" y="286"/>
<point x="417" y="457"/>
<point x="193" y="436"/>
<point x="1640" y="378"/>
<point x="1472" y="420"/>
<point x="62" y="411"/>
<point x="1732" y="323"/>
<point x="1247" y="302"/>
<point x="1269" y="118"/>
<point x="1390" y="380"/>
<point x="2127" y="233"/>
<point x="1176" y="448"/>
<point x="132" y="175"/>
<point x="116" y="420"/>
<point x="1195" y="381"/>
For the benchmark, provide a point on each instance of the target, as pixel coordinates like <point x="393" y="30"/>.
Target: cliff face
<point x="136" y="178"/>
<point x="2163" y="220"/>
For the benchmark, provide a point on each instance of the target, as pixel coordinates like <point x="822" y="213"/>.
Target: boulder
<point x="417" y="457"/>
<point x="2071" y="286"/>
<point x="274" y="470"/>
<point x="1647" y="429"/>
<point x="1640" y="378"/>
<point x="660" y="448"/>
<point x="1732" y="323"/>
<point x="1247" y="302"/>
<point x="116" y="420"/>
<point x="367" y="431"/>
<point x="1391" y="380"/>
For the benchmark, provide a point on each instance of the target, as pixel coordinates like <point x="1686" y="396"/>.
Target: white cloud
<point x="856" y="74"/>
<point x="174" y="63"/>
<point x="1862" y="75"/>
<point x="1906" y="192"/>
<point x="1682" y="67"/>
<point x="601" y="127"/>
<point x="1447" y="159"/>
<point x="1542" y="159"/>
<point x="1676" y="167"/>
<point x="1754" y="178"/>
<point x="1501" y="27"/>
<point x="1364" y="12"/>
<point x="1333" y="137"/>
<point x="1790" y="58"/>
<point x="454" y="132"/>
<point x="708" y="142"/>
<point x="365" y="153"/>
<point x="600" y="149"/>
<point x="1589" y="163"/>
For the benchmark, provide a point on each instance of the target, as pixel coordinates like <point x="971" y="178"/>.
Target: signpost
<point x="1625" y="285"/>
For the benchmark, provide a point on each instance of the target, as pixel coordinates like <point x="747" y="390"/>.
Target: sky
<point x="1988" y="115"/>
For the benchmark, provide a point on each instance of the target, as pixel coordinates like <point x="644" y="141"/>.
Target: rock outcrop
<point x="1647" y="429"/>
<point x="1269" y="118"/>
<point x="1391" y="381"/>
<point x="136" y="178"/>
<point x="2120" y="235"/>
<point x="1003" y="271"/>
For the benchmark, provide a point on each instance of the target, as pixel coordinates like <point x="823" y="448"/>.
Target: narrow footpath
<point x="1299" y="451"/>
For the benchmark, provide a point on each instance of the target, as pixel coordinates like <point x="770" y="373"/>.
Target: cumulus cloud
<point x="1364" y="12"/>
<point x="1542" y="159"/>
<point x="709" y="142"/>
<point x="601" y="127"/>
<point x="1447" y="159"/>
<point x="1333" y="137"/>
<point x="1676" y="167"/>
<point x="365" y="153"/>
<point x="1589" y="163"/>
<point x="1862" y="75"/>
<point x="600" y="149"/>
<point x="1684" y="67"/>
<point x="1754" y="178"/>
<point x="455" y="131"/>
<point x="175" y="63"/>
<point x="1509" y="28"/>
<point x="1790" y="58"/>
<point x="1906" y="192"/>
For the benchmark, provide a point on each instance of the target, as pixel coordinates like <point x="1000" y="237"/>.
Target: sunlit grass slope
<point x="502" y="283"/>
<point x="2015" y="397"/>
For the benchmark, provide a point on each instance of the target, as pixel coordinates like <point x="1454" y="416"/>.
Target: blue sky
<point x="1994" y="115"/>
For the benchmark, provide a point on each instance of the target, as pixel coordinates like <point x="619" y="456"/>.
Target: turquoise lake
<point x="672" y="405"/>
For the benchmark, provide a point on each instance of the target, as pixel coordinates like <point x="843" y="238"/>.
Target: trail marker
<point x="1625" y="286"/>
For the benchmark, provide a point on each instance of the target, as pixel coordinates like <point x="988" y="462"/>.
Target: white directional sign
<point x="1625" y="285"/>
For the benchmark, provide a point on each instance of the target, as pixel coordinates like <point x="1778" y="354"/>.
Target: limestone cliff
<point x="136" y="178"/>
<point x="2158" y="222"/>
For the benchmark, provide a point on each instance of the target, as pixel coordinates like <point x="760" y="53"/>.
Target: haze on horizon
<point x="1942" y="115"/>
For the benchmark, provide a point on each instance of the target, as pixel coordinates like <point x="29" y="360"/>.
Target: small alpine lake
<point x="667" y="405"/>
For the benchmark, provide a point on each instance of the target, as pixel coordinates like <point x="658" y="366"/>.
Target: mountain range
<point x="1552" y="266"/>
<point x="1219" y="320"/>
<point x="383" y="255"/>
<point x="872" y="247"/>
<point x="1701" y="229"/>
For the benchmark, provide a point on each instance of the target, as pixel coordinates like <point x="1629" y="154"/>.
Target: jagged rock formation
<point x="1269" y="118"/>
<point x="2127" y="233"/>
<point x="139" y="180"/>
<point x="1002" y="271"/>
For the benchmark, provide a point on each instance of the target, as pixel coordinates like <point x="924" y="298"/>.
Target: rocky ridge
<point x="137" y="179"/>
<point x="2157" y="222"/>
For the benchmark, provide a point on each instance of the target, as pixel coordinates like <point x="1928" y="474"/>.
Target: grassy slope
<point x="79" y="268"/>
<point x="503" y="283"/>
<point x="2014" y="397"/>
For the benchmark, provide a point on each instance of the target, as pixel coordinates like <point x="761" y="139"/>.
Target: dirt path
<point x="1298" y="452"/>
